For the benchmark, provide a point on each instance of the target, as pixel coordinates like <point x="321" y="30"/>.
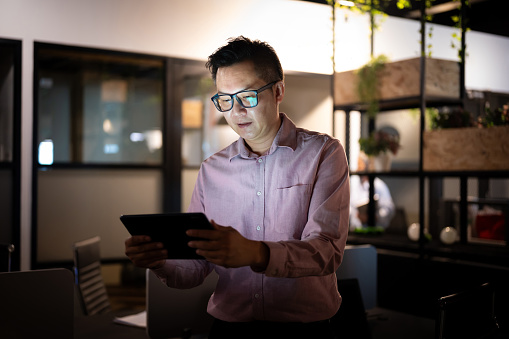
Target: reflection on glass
<point x="91" y="103"/>
<point x="46" y="152"/>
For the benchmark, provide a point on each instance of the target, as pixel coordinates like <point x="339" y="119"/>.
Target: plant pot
<point x="401" y="79"/>
<point x="466" y="149"/>
<point x="380" y="163"/>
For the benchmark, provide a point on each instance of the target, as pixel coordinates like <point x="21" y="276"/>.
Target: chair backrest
<point x="360" y="262"/>
<point x="175" y="312"/>
<point x="37" y="304"/>
<point x="5" y="257"/>
<point x="467" y="314"/>
<point x="88" y="277"/>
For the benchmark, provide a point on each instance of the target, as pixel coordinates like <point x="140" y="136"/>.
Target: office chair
<point x="467" y="314"/>
<point x="5" y="256"/>
<point x="88" y="278"/>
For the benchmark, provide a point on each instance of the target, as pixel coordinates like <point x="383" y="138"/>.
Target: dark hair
<point x="264" y="57"/>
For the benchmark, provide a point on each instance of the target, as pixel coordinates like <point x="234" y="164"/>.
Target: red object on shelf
<point x="490" y="226"/>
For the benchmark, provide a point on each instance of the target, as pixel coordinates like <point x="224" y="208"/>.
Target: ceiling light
<point x="346" y="3"/>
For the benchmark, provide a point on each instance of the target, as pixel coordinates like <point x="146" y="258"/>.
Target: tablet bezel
<point x="169" y="229"/>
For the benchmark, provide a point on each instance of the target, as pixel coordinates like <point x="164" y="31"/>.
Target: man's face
<point x="258" y="125"/>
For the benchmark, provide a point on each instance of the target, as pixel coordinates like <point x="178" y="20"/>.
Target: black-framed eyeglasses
<point x="246" y="98"/>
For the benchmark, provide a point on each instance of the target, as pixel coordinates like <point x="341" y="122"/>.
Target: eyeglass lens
<point x="247" y="99"/>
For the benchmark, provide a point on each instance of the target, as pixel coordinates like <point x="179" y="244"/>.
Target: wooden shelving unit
<point x="464" y="249"/>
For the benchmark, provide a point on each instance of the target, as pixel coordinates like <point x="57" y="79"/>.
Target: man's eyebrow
<point x="248" y="88"/>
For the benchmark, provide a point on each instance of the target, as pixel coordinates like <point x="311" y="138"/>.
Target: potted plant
<point x="497" y="117"/>
<point x="379" y="147"/>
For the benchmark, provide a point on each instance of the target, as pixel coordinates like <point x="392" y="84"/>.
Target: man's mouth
<point x="243" y="124"/>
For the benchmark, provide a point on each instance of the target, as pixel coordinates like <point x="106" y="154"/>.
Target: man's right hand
<point x="144" y="253"/>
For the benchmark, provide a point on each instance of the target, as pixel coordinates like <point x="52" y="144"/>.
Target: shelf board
<point x="395" y="242"/>
<point x="471" y="252"/>
<point x="402" y="103"/>
<point x="412" y="173"/>
<point x="497" y="255"/>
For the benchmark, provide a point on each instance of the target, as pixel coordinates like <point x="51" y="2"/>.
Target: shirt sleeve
<point x="321" y="247"/>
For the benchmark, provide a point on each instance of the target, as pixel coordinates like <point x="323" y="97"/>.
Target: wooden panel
<point x="466" y="149"/>
<point x="401" y="79"/>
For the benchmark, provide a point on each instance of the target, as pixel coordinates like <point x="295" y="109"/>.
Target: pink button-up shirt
<point x="296" y="200"/>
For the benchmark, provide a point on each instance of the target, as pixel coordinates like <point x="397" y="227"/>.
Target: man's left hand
<point x="225" y="246"/>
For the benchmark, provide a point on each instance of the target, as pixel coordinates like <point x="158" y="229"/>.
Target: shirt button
<point x="257" y="296"/>
<point x="258" y="193"/>
<point x="258" y="228"/>
<point x="260" y="160"/>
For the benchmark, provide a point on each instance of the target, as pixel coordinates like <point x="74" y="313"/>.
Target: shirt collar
<point x="285" y="137"/>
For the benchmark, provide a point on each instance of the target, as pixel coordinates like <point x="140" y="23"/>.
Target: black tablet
<point x="169" y="229"/>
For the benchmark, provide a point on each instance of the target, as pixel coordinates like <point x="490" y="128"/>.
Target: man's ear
<point x="280" y="91"/>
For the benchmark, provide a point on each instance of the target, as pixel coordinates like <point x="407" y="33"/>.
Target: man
<point x="278" y="198"/>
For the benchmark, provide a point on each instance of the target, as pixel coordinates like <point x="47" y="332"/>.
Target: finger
<point x="145" y="259"/>
<point x="204" y="245"/>
<point x="144" y="248"/>
<point x="203" y="234"/>
<point x="218" y="227"/>
<point x="137" y="239"/>
<point x="215" y="257"/>
<point x="215" y="225"/>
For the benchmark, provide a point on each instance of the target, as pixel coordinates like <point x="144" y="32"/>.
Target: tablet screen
<point x="169" y="229"/>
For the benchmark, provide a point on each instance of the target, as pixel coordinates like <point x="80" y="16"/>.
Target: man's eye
<point x="248" y="96"/>
<point x="225" y="99"/>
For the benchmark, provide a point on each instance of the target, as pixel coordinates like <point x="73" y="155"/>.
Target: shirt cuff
<point x="275" y="267"/>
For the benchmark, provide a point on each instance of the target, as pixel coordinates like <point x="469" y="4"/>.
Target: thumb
<point x="215" y="225"/>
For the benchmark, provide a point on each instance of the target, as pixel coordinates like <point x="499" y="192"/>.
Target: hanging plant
<point x="367" y="83"/>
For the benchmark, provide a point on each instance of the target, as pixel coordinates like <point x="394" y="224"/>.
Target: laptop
<point x="37" y="304"/>
<point x="173" y="312"/>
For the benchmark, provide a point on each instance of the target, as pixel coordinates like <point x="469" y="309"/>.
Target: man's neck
<point x="259" y="149"/>
<point x="262" y="147"/>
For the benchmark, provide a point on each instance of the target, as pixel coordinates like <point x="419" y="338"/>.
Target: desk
<point x="385" y="323"/>
<point x="102" y="327"/>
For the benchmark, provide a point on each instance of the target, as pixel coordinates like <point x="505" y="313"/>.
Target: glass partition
<point x="98" y="107"/>
<point x="104" y="134"/>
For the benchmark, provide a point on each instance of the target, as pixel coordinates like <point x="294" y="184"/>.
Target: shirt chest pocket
<point x="291" y="204"/>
